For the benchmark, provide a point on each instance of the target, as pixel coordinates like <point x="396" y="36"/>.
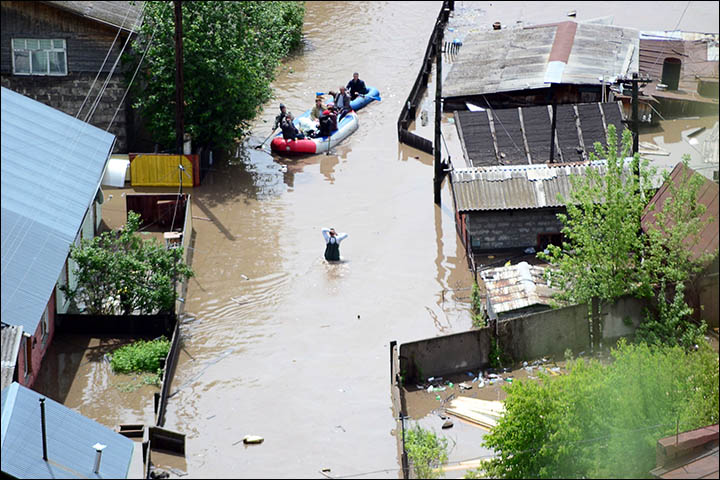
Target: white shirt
<point x="338" y="238"/>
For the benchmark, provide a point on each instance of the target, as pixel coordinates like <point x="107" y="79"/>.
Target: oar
<point x="263" y="143"/>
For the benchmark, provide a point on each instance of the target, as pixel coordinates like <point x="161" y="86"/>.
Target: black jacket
<point x="357" y="87"/>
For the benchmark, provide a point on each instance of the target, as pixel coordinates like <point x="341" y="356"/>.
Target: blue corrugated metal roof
<point x="70" y="437"/>
<point x="52" y="164"/>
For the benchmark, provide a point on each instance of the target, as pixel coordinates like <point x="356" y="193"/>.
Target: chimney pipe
<point x="42" y="420"/>
<point x="99" y="447"/>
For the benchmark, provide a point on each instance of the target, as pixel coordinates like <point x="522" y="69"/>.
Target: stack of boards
<point x="480" y="412"/>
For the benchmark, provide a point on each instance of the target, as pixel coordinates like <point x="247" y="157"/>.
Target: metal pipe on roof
<point x="44" y="436"/>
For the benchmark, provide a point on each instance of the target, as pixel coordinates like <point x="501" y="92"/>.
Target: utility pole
<point x="554" y="123"/>
<point x="437" y="147"/>
<point x="635" y="119"/>
<point x="179" y="99"/>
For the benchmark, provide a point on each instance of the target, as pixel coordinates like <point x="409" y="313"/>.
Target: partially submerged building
<point x="565" y="62"/>
<point x="54" y="51"/>
<point x="52" y="166"/>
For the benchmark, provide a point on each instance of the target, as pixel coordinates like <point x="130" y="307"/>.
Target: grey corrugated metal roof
<point x="70" y="437"/>
<point x="516" y="286"/>
<point x="517" y="58"/>
<point x="51" y="170"/>
<point x="515" y="186"/>
<point x="11" y="336"/>
<point x="127" y="15"/>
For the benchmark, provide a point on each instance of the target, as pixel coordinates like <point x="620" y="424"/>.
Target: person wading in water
<point x="332" y="244"/>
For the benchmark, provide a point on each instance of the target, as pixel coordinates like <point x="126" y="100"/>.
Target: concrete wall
<point x="546" y="333"/>
<point x="622" y="318"/>
<point x="502" y="229"/>
<point x="524" y="338"/>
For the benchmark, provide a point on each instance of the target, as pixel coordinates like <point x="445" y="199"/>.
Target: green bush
<point x="426" y="451"/>
<point x="140" y="356"/>
<point x="603" y="421"/>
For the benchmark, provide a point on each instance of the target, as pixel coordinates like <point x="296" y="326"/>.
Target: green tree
<point x="120" y="273"/>
<point x="426" y="451"/>
<point x="230" y="53"/>
<point x="605" y="253"/>
<point x="477" y="310"/>
<point x="602" y="247"/>
<point x="604" y="420"/>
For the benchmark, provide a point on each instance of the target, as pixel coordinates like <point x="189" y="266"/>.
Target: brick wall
<point x="497" y="230"/>
<point x="68" y="93"/>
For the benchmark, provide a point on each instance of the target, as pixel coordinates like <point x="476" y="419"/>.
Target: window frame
<point x="52" y="49"/>
<point x="27" y="355"/>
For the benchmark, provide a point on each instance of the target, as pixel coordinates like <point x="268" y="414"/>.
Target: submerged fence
<point x="409" y="109"/>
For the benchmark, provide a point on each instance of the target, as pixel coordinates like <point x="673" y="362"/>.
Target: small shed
<point x="517" y="290"/>
<point x="523" y="135"/>
<point x="70" y="438"/>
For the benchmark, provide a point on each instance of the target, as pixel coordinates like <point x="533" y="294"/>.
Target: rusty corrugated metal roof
<point x="707" y="240"/>
<point x="516" y="286"/>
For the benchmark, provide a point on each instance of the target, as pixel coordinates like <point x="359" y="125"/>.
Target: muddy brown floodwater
<point x="280" y="344"/>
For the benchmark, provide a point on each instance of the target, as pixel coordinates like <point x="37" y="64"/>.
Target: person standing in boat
<point x="342" y="103"/>
<point x="356" y="86"/>
<point x="332" y="244"/>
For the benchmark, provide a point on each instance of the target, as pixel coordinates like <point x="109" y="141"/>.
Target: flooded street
<point x="276" y="341"/>
<point x="279" y="343"/>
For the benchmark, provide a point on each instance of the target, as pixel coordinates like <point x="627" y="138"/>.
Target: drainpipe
<point x="44" y="436"/>
<point x="99" y="447"/>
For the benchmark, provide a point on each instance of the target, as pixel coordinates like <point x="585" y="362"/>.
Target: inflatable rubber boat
<point x="361" y="101"/>
<point x="346" y="127"/>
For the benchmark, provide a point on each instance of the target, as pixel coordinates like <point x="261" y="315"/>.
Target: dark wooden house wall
<point x="87" y="42"/>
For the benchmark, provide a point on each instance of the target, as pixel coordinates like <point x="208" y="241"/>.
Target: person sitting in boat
<point x="332" y="244"/>
<point x="328" y="121"/>
<point x="356" y="86"/>
<point x="342" y="103"/>
<point x="289" y="131"/>
<point x="279" y="118"/>
<point x="317" y="110"/>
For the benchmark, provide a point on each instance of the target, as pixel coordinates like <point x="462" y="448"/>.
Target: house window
<point x="32" y="56"/>
<point x="45" y="326"/>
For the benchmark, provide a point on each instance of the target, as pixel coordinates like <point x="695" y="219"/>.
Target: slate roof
<point x="70" y="440"/>
<point x="526" y="58"/>
<point x="516" y="286"/>
<point x="127" y="15"/>
<point x="707" y="240"/>
<point x="522" y="135"/>
<point x="11" y="337"/>
<point x="51" y="165"/>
